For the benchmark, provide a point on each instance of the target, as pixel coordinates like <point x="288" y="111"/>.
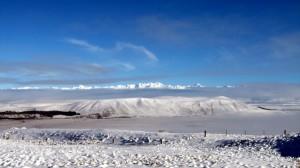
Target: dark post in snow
<point x="284" y="132"/>
<point x="298" y="163"/>
<point x="204" y="133"/>
<point x="161" y="141"/>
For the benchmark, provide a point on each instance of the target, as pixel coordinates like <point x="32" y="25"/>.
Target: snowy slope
<point x="161" y="106"/>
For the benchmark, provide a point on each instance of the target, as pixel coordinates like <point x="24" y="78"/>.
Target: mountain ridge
<point x="150" y="85"/>
<point x="160" y="106"/>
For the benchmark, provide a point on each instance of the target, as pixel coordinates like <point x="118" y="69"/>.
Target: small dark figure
<point x="284" y="132"/>
<point x="204" y="133"/>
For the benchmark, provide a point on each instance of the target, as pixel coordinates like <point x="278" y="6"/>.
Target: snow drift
<point x="110" y="148"/>
<point x="286" y="145"/>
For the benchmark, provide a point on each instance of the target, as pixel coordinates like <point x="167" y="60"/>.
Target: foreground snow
<point x="109" y="148"/>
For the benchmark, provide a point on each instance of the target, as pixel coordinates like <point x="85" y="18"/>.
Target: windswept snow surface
<point x="107" y="148"/>
<point x="161" y="106"/>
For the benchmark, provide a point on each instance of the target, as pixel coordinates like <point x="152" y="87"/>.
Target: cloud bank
<point x="77" y="81"/>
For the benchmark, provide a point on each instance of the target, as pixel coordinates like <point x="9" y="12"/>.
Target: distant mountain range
<point x="151" y="85"/>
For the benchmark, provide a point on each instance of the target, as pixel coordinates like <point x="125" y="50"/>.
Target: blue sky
<point x="69" y="42"/>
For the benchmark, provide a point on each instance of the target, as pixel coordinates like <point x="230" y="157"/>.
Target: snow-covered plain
<point x="165" y="127"/>
<point x="233" y="123"/>
<point x="111" y="148"/>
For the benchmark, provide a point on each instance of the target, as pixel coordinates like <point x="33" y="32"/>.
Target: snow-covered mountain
<point x="156" y="85"/>
<point x="197" y="85"/>
<point x="151" y="85"/>
<point x="161" y="106"/>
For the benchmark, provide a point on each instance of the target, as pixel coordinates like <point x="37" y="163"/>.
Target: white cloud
<point x="118" y="47"/>
<point x="93" y="69"/>
<point x="128" y="66"/>
<point x="142" y="49"/>
<point x="84" y="44"/>
<point x="123" y="65"/>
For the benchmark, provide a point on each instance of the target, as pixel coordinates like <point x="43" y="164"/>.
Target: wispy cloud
<point x="78" y="81"/>
<point x="6" y="80"/>
<point x="45" y="70"/>
<point x="38" y="73"/>
<point x="207" y="30"/>
<point x="128" y="66"/>
<point x="142" y="49"/>
<point x="31" y="69"/>
<point x="84" y="44"/>
<point x="93" y="68"/>
<point x="165" y="30"/>
<point x="233" y="53"/>
<point x="287" y="46"/>
<point x="118" y="47"/>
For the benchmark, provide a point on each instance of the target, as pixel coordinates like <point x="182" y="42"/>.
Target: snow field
<point x="96" y="148"/>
